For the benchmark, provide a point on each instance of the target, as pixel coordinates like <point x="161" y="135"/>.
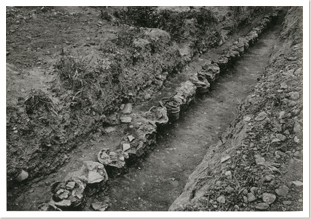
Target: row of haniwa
<point x="200" y="81"/>
<point x="70" y="193"/>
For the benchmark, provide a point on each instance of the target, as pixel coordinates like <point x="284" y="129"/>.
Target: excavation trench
<point x="155" y="181"/>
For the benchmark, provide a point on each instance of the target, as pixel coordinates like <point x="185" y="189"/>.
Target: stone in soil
<point x="225" y="158"/>
<point x="127" y="108"/>
<point x="268" y="178"/>
<point x="126" y="147"/>
<point x="70" y="185"/>
<point x="110" y="129"/>
<point x="294" y="95"/>
<point x="261" y="116"/>
<point x="96" y="172"/>
<point x="287" y="202"/>
<point x="282" y="190"/>
<point x="99" y="206"/>
<point x="297" y="183"/>
<point x="228" y="174"/>
<point x="259" y="159"/>
<point x="229" y="189"/>
<point x="22" y="176"/>
<point x="251" y="197"/>
<point x="296" y="140"/>
<point x="126" y="119"/>
<point x="221" y="199"/>
<point x="147" y="97"/>
<point x="262" y="206"/>
<point x="130" y="138"/>
<point x="268" y="198"/>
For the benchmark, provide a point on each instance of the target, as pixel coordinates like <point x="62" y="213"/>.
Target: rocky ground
<point x="257" y="164"/>
<point x="90" y="100"/>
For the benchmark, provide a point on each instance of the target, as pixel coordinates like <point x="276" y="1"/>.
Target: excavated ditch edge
<point x="156" y="117"/>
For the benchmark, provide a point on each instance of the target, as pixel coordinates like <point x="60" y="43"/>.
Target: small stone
<point x="275" y="141"/>
<point x="280" y="153"/>
<point x="251" y="197"/>
<point x="282" y="190"/>
<point x="127" y="108"/>
<point x="261" y="116"/>
<point x="286" y="132"/>
<point x="283" y="85"/>
<point x="292" y="103"/>
<point x="292" y="58"/>
<point x="60" y="191"/>
<point x="130" y="138"/>
<point x="268" y="198"/>
<point x="94" y="172"/>
<point x="294" y="95"/>
<point x="228" y="174"/>
<point x="298" y="71"/>
<point x="262" y="206"/>
<point x="253" y="190"/>
<point x="218" y="183"/>
<point x="63" y="203"/>
<point x="236" y="207"/>
<point x="221" y="199"/>
<point x="282" y="114"/>
<point x="126" y="119"/>
<point x="247" y="118"/>
<point x="281" y="137"/>
<point x="287" y="202"/>
<point x="225" y="158"/>
<point x="94" y="177"/>
<point x="64" y="194"/>
<point x="70" y="185"/>
<point x="297" y="128"/>
<point x="98" y="206"/>
<point x="297" y="183"/>
<point x="147" y="96"/>
<point x="297" y="154"/>
<point x="110" y="129"/>
<point x="296" y="139"/>
<point x="245" y="199"/>
<point x="22" y="176"/>
<point x="229" y="189"/>
<point x="295" y="112"/>
<point x="126" y="147"/>
<point x="259" y="159"/>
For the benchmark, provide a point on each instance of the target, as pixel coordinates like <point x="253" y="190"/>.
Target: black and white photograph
<point x="194" y="109"/>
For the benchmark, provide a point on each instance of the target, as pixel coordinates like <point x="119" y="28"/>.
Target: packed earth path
<point x="157" y="180"/>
